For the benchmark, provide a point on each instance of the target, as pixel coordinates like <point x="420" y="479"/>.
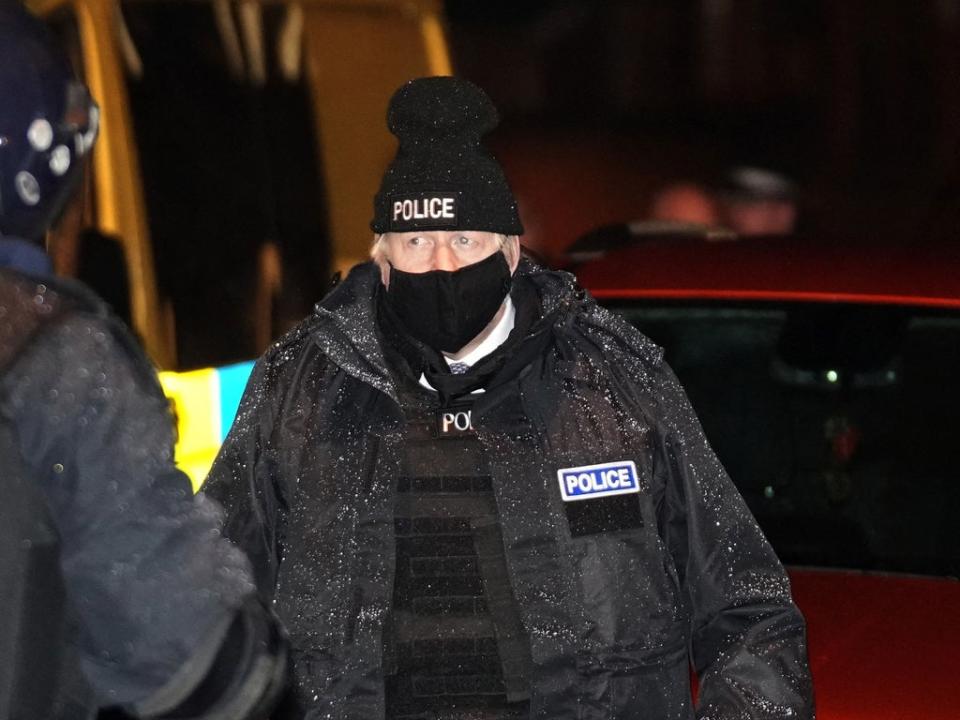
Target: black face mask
<point x="446" y="310"/>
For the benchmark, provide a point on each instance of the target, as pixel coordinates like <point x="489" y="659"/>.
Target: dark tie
<point x="458" y="368"/>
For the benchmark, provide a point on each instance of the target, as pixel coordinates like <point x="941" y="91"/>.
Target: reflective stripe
<point x="233" y="381"/>
<point x="205" y="403"/>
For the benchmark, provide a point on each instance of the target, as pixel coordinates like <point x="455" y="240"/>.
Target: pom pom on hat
<point x="442" y="177"/>
<point x="435" y="108"/>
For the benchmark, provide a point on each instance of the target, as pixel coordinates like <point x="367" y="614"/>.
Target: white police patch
<point x="596" y="481"/>
<point x="423" y="210"/>
<point x="454" y="421"/>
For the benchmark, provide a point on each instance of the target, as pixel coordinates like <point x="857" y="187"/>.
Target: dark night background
<point x="602" y="103"/>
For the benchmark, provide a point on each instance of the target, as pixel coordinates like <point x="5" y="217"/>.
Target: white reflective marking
<point x="27" y="187"/>
<point x="40" y="134"/>
<point x="60" y="160"/>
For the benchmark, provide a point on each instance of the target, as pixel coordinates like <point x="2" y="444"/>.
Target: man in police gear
<point x="116" y="589"/>
<point x="473" y="493"/>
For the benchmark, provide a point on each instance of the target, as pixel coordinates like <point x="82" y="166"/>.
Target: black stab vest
<point x="454" y="646"/>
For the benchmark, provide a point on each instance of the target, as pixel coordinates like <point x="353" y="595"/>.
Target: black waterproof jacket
<point x="615" y="619"/>
<point x="113" y="578"/>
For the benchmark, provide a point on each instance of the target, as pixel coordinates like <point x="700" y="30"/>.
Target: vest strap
<point x="512" y="643"/>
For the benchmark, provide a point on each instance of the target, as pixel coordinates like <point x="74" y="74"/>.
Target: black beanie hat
<point x="442" y="177"/>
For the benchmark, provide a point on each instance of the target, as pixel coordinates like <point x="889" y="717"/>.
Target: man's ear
<point x="511" y="249"/>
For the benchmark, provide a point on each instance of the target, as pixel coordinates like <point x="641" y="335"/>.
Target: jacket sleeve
<point x="146" y="571"/>
<point x="748" y="638"/>
<point x="242" y="479"/>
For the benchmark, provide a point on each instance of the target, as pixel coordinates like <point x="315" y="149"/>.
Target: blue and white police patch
<point x="597" y="481"/>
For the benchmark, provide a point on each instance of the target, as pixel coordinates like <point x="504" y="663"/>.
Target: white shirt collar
<point x="501" y="331"/>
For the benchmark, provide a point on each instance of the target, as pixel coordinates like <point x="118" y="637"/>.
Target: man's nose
<point x="444" y="258"/>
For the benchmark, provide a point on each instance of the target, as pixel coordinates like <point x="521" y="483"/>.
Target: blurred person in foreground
<point x="757" y="201"/>
<point x="472" y="493"/>
<point x="116" y="590"/>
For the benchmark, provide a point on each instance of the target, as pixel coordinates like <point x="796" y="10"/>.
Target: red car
<point x="827" y="379"/>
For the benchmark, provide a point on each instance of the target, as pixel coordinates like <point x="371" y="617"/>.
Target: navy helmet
<point x="48" y="124"/>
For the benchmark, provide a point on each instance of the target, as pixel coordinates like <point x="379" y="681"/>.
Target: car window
<point x="836" y="422"/>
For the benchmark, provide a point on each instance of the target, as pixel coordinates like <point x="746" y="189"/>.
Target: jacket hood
<point x="346" y="327"/>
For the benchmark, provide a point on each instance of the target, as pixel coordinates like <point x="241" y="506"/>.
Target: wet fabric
<point x="615" y="612"/>
<point x="454" y="641"/>
<point x="39" y="675"/>
<point x="144" y="572"/>
<point x="443" y="176"/>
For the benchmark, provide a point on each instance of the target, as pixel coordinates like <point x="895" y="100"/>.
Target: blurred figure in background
<point x="116" y="589"/>
<point x="684" y="202"/>
<point x="756" y="201"/>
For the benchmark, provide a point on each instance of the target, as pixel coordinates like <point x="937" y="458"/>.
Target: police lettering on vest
<point x="454" y="421"/>
<point x="603" y="480"/>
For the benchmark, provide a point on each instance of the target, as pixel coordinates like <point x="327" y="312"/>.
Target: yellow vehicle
<point x="241" y="144"/>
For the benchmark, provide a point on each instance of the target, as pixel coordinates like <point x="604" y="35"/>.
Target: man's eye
<point x="416" y="241"/>
<point x="463" y="241"/>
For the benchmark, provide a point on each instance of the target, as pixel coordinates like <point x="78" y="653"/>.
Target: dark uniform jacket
<point x="615" y="614"/>
<point x="112" y="575"/>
